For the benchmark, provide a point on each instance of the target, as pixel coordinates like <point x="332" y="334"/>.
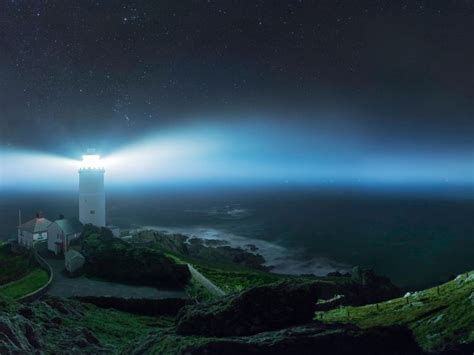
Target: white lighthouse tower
<point x="91" y="191"/>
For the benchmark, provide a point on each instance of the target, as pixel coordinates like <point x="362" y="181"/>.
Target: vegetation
<point x="229" y="277"/>
<point x="114" y="259"/>
<point x="14" y="266"/>
<point x="115" y="328"/>
<point x="30" y="283"/>
<point x="438" y="317"/>
<point x="235" y="281"/>
<point x="198" y="292"/>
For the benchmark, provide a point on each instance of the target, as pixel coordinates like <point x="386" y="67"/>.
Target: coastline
<point x="280" y="259"/>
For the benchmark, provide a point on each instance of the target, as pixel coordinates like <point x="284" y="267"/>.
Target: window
<point x="92" y="212"/>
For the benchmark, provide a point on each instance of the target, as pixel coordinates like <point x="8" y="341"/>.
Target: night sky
<point x="399" y="74"/>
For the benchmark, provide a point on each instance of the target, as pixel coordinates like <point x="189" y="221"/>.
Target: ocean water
<point x="417" y="239"/>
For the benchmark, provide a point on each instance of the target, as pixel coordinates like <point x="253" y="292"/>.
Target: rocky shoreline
<point x="204" y="249"/>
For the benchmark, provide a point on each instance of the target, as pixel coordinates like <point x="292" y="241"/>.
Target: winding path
<point x="63" y="286"/>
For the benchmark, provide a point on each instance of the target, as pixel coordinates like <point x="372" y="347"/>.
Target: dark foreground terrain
<point x="257" y="312"/>
<point x="284" y="317"/>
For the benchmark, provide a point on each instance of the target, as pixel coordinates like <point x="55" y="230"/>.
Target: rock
<point x="74" y="262"/>
<point x="278" y="305"/>
<point x="46" y="330"/>
<point x="18" y="335"/>
<point x="26" y="312"/>
<point x="375" y="288"/>
<point x="204" y="249"/>
<point x="312" y="338"/>
<point x="252" y="247"/>
<point x="255" y="310"/>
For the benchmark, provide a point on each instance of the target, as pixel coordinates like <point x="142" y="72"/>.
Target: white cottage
<point x="61" y="232"/>
<point x="33" y="230"/>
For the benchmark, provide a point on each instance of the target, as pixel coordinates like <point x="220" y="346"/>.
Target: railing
<point x="32" y="296"/>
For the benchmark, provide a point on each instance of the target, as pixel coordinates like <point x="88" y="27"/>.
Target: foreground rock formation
<point x="45" y="327"/>
<point x="269" y="307"/>
<point x="313" y="338"/>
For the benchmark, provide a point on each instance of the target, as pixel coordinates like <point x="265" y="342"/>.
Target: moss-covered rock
<point x="273" y="306"/>
<point x="255" y="310"/>
<point x="41" y="328"/>
<point x="216" y="250"/>
<point x="312" y="338"/>
<point x="441" y="318"/>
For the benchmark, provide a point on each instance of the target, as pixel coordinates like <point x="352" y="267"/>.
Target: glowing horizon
<point x="245" y="154"/>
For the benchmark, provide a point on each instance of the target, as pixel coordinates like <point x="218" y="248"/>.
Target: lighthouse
<point x="91" y="191"/>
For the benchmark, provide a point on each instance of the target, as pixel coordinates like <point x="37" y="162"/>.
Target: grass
<point x="13" y="266"/>
<point x="33" y="281"/>
<point x="118" y="329"/>
<point x="198" y="292"/>
<point x="233" y="278"/>
<point x="229" y="277"/>
<point x="437" y="316"/>
<point x="235" y="281"/>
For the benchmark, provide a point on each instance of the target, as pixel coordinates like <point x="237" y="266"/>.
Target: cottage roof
<point x="36" y="225"/>
<point x="69" y="225"/>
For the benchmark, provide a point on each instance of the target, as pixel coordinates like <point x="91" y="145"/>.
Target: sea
<point x="417" y="238"/>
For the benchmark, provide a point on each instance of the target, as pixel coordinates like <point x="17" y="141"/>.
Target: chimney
<point x="39" y="214"/>
<point x="61" y="216"/>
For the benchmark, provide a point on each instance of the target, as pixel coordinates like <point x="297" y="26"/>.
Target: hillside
<point x="260" y="313"/>
<point x="267" y="319"/>
<point x="19" y="273"/>
<point x="55" y="325"/>
<point x="441" y="318"/>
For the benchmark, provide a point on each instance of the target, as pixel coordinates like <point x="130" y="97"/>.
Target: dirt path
<point x="208" y="284"/>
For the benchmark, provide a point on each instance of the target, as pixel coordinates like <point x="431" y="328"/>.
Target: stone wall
<point x="44" y="265"/>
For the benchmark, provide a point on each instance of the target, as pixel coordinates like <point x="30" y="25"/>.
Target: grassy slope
<point x="233" y="278"/>
<point x="33" y="281"/>
<point x="437" y="316"/>
<point x="117" y="329"/>
<point x="13" y="266"/>
<point x="229" y="277"/>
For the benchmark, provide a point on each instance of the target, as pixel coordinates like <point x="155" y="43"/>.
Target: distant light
<point x="91" y="161"/>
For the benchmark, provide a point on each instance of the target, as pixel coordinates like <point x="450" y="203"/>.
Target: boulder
<point x="74" y="261"/>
